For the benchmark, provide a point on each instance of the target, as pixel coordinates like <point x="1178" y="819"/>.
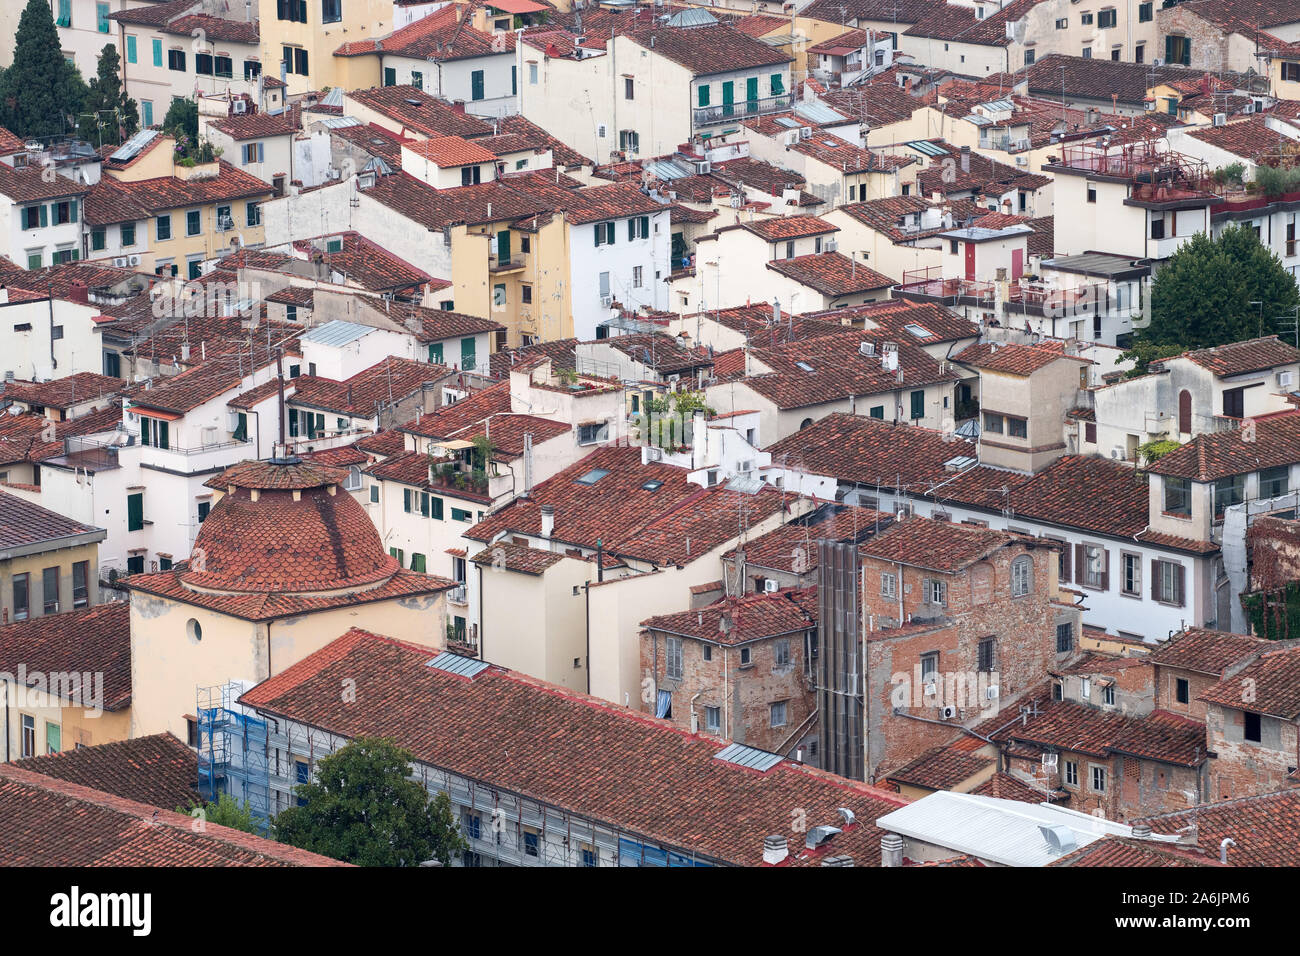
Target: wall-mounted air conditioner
<point x="239" y="106"/>
<point x="770" y="586"/>
<point x="805" y="132"/>
<point x="991" y="693"/>
<point x="948" y="713"/>
<point x="1285" y="379"/>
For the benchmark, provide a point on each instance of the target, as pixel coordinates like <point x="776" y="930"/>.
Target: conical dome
<point x="286" y="527"/>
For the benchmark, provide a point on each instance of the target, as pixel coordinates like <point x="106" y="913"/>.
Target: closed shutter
<point x="1065" y="563"/>
<point x="631" y="229"/>
<point x="1080" y="563"/>
<point x="1155" y="579"/>
<point x="1180" y="571"/>
<point x="1105" y="570"/>
<point x="406" y="500"/>
<point x="435" y="508"/>
<point x="134" y="512"/>
<point x="45" y="216"/>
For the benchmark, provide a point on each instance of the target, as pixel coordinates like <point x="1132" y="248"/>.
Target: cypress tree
<point x="41" y="93"/>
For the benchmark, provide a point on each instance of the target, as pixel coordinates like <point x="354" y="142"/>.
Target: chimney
<point x="840" y="860"/>
<point x="891" y="850"/>
<point x="4" y="295"/>
<point x="775" y="849"/>
<point x="548" y="521"/>
<point x="77" y="292"/>
<point x="1142" y="831"/>
<point x="459" y="107"/>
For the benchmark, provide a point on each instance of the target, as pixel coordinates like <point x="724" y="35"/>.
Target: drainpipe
<point x="483" y="657"/>
<point x="586" y="592"/>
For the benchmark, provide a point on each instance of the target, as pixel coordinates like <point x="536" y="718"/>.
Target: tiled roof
<point x="711" y="49"/>
<point x="29" y="184"/>
<point x="442" y="36"/>
<point x="982" y="174"/>
<point x="782" y="228"/>
<point x="1094" y="494"/>
<point x="436" y="209"/>
<point x="1011" y="358"/>
<point x="831" y="273"/>
<point x="517" y="557"/>
<point x="75" y="389"/>
<point x="1249" y="138"/>
<point x="887" y="216"/>
<point x="925" y="323"/>
<point x="1007" y="786"/>
<point x="374" y="140"/>
<point x="25" y="526"/>
<point x="417" y="111"/>
<point x="1265" y="828"/>
<point x="1275" y="679"/>
<point x="93" y="640"/>
<point x="9" y="143"/>
<point x="1206" y="652"/>
<point x="517" y="733"/>
<point x="158" y="769"/>
<point x="878" y="104"/>
<point x="382" y="443"/>
<point x="168" y="192"/>
<point x="830" y="367"/>
<point x="435" y="325"/>
<point x="888" y="11"/>
<point x="1238" y="358"/>
<point x="367" y="263"/>
<point x="1212" y="455"/>
<point x="840" y="154"/>
<point x="241" y="126"/>
<point x="470" y="411"/>
<point x="450" y="151"/>
<point x="756" y="174"/>
<point x="739" y="620"/>
<point x="795" y="542"/>
<point x="960" y="24"/>
<point x="191" y="388"/>
<point x="672" y="523"/>
<point x="935" y="545"/>
<point x="1097" y="78"/>
<point x="559" y="351"/>
<point x="1111" y="851"/>
<point x="941" y="769"/>
<point x="362" y="395"/>
<point x="562" y="155"/>
<point x="662" y="352"/>
<point x="617" y="200"/>
<point x="101" y="829"/>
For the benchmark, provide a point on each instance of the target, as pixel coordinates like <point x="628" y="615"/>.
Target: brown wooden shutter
<point x="1182" y="585"/>
<point x="1155" y="579"/>
<point x="1080" y="563"/>
<point x="1105" y="570"/>
<point x="1066" y="573"/>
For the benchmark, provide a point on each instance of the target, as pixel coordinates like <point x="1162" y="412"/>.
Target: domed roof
<point x="286" y="527"/>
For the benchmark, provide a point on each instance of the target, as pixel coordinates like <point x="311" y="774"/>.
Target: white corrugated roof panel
<point x="336" y="333"/>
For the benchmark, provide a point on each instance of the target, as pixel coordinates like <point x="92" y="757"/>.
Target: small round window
<point x="194" y="630"/>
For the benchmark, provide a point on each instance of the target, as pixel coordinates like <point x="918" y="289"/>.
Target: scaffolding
<point x="233" y="750"/>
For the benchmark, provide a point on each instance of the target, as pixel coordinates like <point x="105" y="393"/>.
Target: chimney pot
<point x="1141" y="831"/>
<point x="548" y="520"/>
<point x="891" y="850"/>
<point x="775" y="849"/>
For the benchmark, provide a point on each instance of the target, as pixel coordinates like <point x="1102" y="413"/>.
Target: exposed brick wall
<point x="1167" y="691"/>
<point x="1209" y="43"/>
<point x="1273" y="548"/>
<point x="1244" y="767"/>
<point x="750" y="690"/>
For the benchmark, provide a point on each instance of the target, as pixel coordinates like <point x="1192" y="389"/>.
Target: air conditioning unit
<point x="770" y="586"/>
<point x="948" y="713"/>
<point x="830" y="245"/>
<point x="1022" y="160"/>
<point x="1220" y="119"/>
<point x="703" y="167"/>
<point x="1158" y="61"/>
<point x="121" y="262"/>
<point x="606" y="300"/>
<point x="133" y="260"/>
<point x="239" y="106"/>
<point x="792" y="137"/>
<point x="1285" y="379"/>
<point x="991" y="693"/>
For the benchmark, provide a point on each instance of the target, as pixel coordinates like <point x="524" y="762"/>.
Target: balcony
<point x="458" y="595"/>
<point x="192" y="460"/>
<point x="734" y="112"/>
<point x="499" y="266"/>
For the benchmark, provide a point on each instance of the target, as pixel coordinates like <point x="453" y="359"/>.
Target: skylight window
<point x="653" y="485"/>
<point x="920" y="331"/>
<point x="593" y="476"/>
<point x="750" y="757"/>
<point x="805" y="366"/>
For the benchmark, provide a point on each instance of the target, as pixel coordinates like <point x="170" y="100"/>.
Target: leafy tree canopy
<point x="41" y="93"/>
<point x="363" y="809"/>
<point x="109" y="115"/>
<point x="1202" y="296"/>
<point x="182" y="119"/>
<point x="226" y="812"/>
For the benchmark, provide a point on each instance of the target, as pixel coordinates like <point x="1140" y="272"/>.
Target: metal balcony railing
<point x="731" y="112"/>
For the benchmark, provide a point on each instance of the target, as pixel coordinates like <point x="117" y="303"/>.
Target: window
<point x="252" y="69"/>
<point x="936" y="592"/>
<point x="1071" y="773"/>
<point x="636" y="277"/>
<point x="604" y="233"/>
<point x="300" y="61"/>
<point x="1178" y="496"/>
<point x="1022" y="575"/>
<point x="888" y="585"/>
<point x="253" y="214"/>
<point x="1105" y="19"/>
<point x="135" y="511"/>
<point x="50" y="590"/>
<point x="1228" y="492"/>
<point x="163" y="228"/>
<point x="81" y="584"/>
<point x="1250" y="727"/>
<point x="1291" y="72"/>
<point x="1144" y="12"/>
<point x="193" y="222"/>
<point x="1063" y="23"/>
<point x="918" y="403"/>
<point x="157" y="50"/>
<point x="476" y="85"/>
<point x="1092" y="193"/>
<point x="331" y="11"/>
<point x="1274" y="482"/>
<point x="746" y="657"/>
<point x="1178" y="50"/>
<point x="1017" y="427"/>
<point x="204" y="508"/>
<point x="53" y="738"/>
<point x="29" y="736"/>
<point x="1094" y="567"/>
<point x="673" y="658"/>
<point x="1132" y="576"/>
<point x="128" y="234"/>
<point x="532" y="74"/>
<point x="1098" y="779"/>
<point x="628" y="88"/>
<point x="1029" y="56"/>
<point x="97" y="239"/>
<point x="993" y="423"/>
<point x="593" y="433"/>
<point x="417" y="79"/>
<point x="638" y="227"/>
<point x="253" y="153"/>
<point x="21" y="601"/>
<point x="779" y="713"/>
<point x="1182" y="690"/>
<point x="713" y="719"/>
<point x="1108" y="695"/>
<point x="176" y="60"/>
<point x="135" y="564"/>
<point x="1065" y="637"/>
<point x="929" y="668"/>
<point x="781" y="653"/>
<point x="987" y="655"/>
<point x="203" y="64"/>
<point x="390" y="76"/>
<point x="789" y="250"/>
<point x="1167" y="583"/>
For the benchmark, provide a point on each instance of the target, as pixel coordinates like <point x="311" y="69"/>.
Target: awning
<point x="153" y="413"/>
<point x="451" y="444"/>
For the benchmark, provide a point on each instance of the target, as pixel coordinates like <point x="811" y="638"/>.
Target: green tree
<point x="109" y="115"/>
<point x="41" y="93"/>
<point x="182" y="119"/>
<point x="226" y="812"/>
<point x="1202" y="296"/>
<point x="363" y="809"/>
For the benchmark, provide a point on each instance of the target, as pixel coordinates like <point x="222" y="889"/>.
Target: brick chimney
<point x="77" y="292"/>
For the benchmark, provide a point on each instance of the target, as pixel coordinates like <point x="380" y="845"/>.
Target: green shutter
<point x="45" y="216"/>
<point x="157" y="52"/>
<point x="163" y="440"/>
<point x="467" y="353"/>
<point x="417" y="562"/>
<point x="476" y="85"/>
<point x="135" y="512"/>
<point x="918" y="404"/>
<point x="130" y="49"/>
<point x="631" y="229"/>
<point x="435" y="353"/>
<point x="406" y="500"/>
<point x="424" y="504"/>
<point x="778" y="85"/>
<point x="390" y="76"/>
<point x="704" y="94"/>
<point x="435" y="508"/>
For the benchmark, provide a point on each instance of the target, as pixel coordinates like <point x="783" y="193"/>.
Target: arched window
<point x="1022" y="575"/>
<point x="1185" y="412"/>
<point x="805" y="423"/>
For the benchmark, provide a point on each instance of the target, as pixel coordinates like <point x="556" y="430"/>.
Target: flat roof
<point x="1098" y="264"/>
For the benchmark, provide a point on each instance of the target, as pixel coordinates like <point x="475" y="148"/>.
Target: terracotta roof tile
<point x="93" y="640"/>
<point x="241" y="126"/>
<point x="709" y="49"/>
<point x="1111" y="851"/>
<point x="417" y="111"/>
<point x="831" y="273"/>
<point x="75" y="389"/>
<point x="1275" y="679"/>
<point x="1011" y="358"/>
<point x="1213" y="455"/>
<point x="451" y="151"/>
<point x="941" y="769"/>
<point x="1265" y="828"/>
<point x="782" y="228"/>
<point x="739" y="620"/>
<point x="158" y="769"/>
<point x="1237" y="358"/>
<point x="1206" y="652"/>
<point x="364" y="393"/>
<point x="935" y="545"/>
<point x="795" y="542"/>
<point x="517" y="557"/>
<point x="23" y="523"/>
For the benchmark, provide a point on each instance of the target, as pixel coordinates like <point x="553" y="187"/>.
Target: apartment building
<point x="48" y="563"/>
